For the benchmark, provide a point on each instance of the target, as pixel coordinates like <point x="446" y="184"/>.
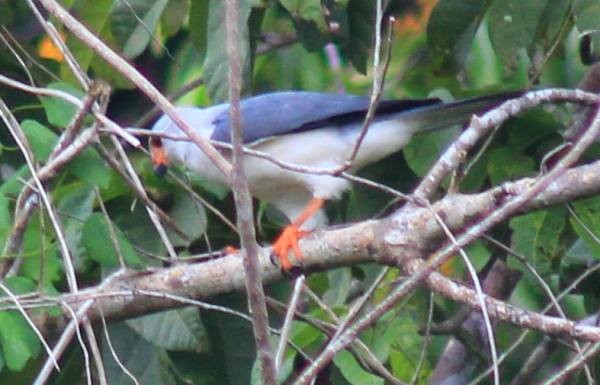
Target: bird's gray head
<point x="175" y="147"/>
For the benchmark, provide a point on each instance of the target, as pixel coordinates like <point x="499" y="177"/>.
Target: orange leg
<point x="288" y="240"/>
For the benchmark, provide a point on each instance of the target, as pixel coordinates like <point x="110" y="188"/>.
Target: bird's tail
<point x="443" y="115"/>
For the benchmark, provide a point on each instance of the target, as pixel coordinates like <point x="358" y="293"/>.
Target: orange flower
<point x="47" y="50"/>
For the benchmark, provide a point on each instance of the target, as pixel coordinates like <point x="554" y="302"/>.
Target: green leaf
<point x="361" y="21"/>
<point x="218" y="191"/>
<point x="178" y="330"/>
<point x="424" y="149"/>
<point x="190" y="216"/>
<point x="451" y="28"/>
<point x="133" y="23"/>
<point x="229" y="335"/>
<point x="19" y="342"/>
<point x="483" y="68"/>
<point x="216" y="71"/>
<point x="198" y="369"/>
<point x="339" y="286"/>
<point x="58" y="111"/>
<point x="41" y="139"/>
<point x="513" y="25"/>
<point x="174" y="16"/>
<point x="406" y="344"/>
<point x="305" y="9"/>
<point x="304" y="335"/>
<point x="308" y="21"/>
<point x="99" y="244"/>
<point x="199" y="25"/>
<point x="13" y="185"/>
<point x="19" y="285"/>
<point x="94" y="14"/>
<point x="40" y="251"/>
<point x="588" y="212"/>
<point x="143" y="360"/>
<point x="353" y="372"/>
<point x="89" y="167"/>
<point x="140" y="230"/>
<point x="554" y="22"/>
<point x="504" y="164"/>
<point x="537" y="236"/>
<point x="75" y="203"/>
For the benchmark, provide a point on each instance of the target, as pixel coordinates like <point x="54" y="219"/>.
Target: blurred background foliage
<point x="447" y="48"/>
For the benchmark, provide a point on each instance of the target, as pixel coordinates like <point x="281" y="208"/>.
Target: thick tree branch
<point x="359" y="243"/>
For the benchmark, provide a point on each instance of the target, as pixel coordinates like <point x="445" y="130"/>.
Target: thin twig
<point x="378" y="78"/>
<point x="115" y="128"/>
<point x="480" y="296"/>
<point x="243" y="203"/>
<point x="287" y="322"/>
<point x="113" y="352"/>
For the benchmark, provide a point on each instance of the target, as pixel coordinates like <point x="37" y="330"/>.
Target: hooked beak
<point x="159" y="156"/>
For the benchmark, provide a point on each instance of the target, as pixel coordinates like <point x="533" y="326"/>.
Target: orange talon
<point x="288" y="240"/>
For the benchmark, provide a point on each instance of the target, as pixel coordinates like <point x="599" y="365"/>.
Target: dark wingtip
<point x="160" y="170"/>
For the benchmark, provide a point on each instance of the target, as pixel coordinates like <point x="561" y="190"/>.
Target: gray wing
<point x="281" y="113"/>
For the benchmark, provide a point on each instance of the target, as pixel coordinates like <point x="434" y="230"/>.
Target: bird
<point x="311" y="129"/>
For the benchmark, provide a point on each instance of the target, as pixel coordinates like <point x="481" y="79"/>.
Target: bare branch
<point x="243" y="204"/>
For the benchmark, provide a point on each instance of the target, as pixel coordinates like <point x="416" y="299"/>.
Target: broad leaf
<point x="174" y="16"/>
<point x="537" y="236"/>
<point x="89" y="167"/>
<point x="339" y="286"/>
<point x="58" y="111"/>
<point x="179" y="330"/>
<point x="41" y="259"/>
<point x="75" y="206"/>
<point x="451" y="28"/>
<point x="588" y="212"/>
<point x="143" y="360"/>
<point x="133" y="24"/>
<point x="361" y="21"/>
<point x="215" y="69"/>
<point x="41" y="139"/>
<point x="199" y="25"/>
<point x="190" y="216"/>
<point x="424" y="149"/>
<point x="353" y="372"/>
<point x="504" y="164"/>
<point x="19" y="343"/>
<point x="94" y="14"/>
<point x="515" y="25"/>
<point x="309" y="22"/>
<point x="100" y="246"/>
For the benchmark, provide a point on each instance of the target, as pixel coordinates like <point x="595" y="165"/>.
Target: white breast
<point x="290" y="191"/>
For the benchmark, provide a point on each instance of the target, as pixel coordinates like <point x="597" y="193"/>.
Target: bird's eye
<point x="155" y="141"/>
